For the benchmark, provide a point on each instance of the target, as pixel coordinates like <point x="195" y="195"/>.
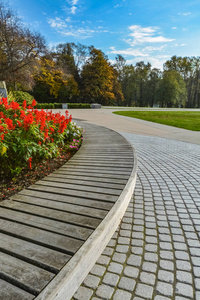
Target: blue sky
<point x="140" y="30"/>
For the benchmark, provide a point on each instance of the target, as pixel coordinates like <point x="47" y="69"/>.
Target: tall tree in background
<point x="19" y="47"/>
<point x="171" y="91"/>
<point x="189" y="69"/>
<point x="52" y="84"/>
<point x="99" y="79"/>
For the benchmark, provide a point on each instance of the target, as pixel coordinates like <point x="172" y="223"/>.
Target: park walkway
<point x="155" y="253"/>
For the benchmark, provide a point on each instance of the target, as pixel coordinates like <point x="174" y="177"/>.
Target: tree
<point x="19" y="47"/>
<point x="57" y="85"/>
<point x="171" y="91"/>
<point x="98" y="79"/>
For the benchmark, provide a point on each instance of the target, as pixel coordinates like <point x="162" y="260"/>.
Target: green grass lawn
<point x="187" y="119"/>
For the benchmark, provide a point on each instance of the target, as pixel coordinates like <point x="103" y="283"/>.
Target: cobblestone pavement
<point x="155" y="253"/>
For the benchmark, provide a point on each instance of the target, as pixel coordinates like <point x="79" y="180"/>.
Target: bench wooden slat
<point x="23" y="273"/>
<point x="84" y="181"/>
<point x="82" y="194"/>
<point x="11" y="292"/>
<point x="68" y="199"/>
<point x="63" y="216"/>
<point x="34" y="253"/>
<point x="41" y="237"/>
<point x="79" y="187"/>
<point x="70" y="230"/>
<point x="64" y="207"/>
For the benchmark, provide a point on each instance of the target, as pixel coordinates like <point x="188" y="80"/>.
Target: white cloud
<point x="185" y="14"/>
<point x="156" y="62"/>
<point x="140" y="35"/>
<point x="174" y="28"/>
<point x="73" y="9"/>
<point x="74" y="2"/>
<point x="129" y="51"/>
<point x="65" y="28"/>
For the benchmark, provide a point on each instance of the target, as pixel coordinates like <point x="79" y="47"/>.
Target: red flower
<point x="30" y="163"/>
<point x="9" y="123"/>
<point x="2" y="137"/>
<point x="14" y="105"/>
<point x="34" y="103"/>
<point x="24" y="104"/>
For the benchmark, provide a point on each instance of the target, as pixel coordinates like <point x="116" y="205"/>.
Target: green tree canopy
<point x="171" y="91"/>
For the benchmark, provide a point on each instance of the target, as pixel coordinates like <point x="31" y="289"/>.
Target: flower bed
<point x="29" y="136"/>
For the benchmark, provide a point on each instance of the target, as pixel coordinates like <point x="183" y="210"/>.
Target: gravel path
<point x="155" y="253"/>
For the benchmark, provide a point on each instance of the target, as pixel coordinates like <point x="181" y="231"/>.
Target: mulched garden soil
<point x="27" y="177"/>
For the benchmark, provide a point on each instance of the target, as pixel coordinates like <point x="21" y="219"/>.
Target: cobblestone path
<point x="155" y="253"/>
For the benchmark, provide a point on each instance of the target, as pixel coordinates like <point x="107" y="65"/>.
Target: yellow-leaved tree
<point x="99" y="80"/>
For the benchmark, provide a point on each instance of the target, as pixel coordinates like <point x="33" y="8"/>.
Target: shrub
<point x="19" y="97"/>
<point x="79" y="105"/>
<point x="28" y="136"/>
<point x="45" y="106"/>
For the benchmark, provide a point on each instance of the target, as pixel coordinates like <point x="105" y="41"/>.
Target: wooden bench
<point x="52" y="233"/>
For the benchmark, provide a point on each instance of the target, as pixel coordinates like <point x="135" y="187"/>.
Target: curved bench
<point x="53" y="232"/>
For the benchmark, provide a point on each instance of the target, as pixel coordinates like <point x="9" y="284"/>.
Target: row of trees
<point x="77" y="73"/>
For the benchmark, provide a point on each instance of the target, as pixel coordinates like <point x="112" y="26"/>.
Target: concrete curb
<point x="64" y="285"/>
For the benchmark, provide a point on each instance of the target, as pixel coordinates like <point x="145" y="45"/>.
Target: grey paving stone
<point x="184" y="290"/>
<point x="151" y="239"/>
<point x="164" y="288"/>
<point x="98" y="270"/>
<point x="149" y="267"/>
<point x="137" y="242"/>
<point x="122" y="248"/>
<point x="134" y="260"/>
<point x="115" y="268"/>
<point x="151" y="247"/>
<point x="144" y="290"/>
<point x="103" y="260"/>
<point x="184" y="277"/>
<point x="137" y="250"/>
<point x="123" y="240"/>
<point x="125" y="233"/>
<point x="147" y="278"/>
<point x="104" y="291"/>
<point x="178" y="238"/>
<point x="111" y="279"/>
<point x="138" y="228"/>
<point x="120" y="294"/>
<point x="165" y="246"/>
<point x="166" y="255"/>
<point x="166" y="276"/>
<point x="92" y="281"/>
<point x="165" y="238"/>
<point x="126" y="226"/>
<point x="112" y="243"/>
<point x="153" y="257"/>
<point x="167" y="265"/>
<point x="195" y="261"/>
<point x="195" y="251"/>
<point x="180" y="246"/>
<point x="108" y="251"/>
<point x="159" y="297"/>
<point x="197" y="295"/>
<point x="183" y="265"/>
<point x="137" y="235"/>
<point x="83" y="293"/>
<point x="197" y="283"/>
<point x="119" y="257"/>
<point x="182" y="255"/>
<point x="131" y="272"/>
<point x="127" y="284"/>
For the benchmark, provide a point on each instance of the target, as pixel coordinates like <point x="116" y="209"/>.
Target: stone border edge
<point x="67" y="281"/>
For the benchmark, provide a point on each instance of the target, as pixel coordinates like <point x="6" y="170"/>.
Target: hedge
<point x="59" y="105"/>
